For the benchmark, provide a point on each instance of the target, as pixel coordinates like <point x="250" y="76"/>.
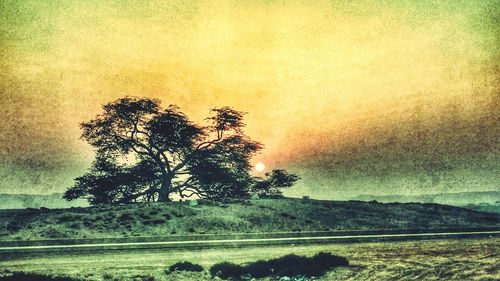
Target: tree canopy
<point x="148" y="153"/>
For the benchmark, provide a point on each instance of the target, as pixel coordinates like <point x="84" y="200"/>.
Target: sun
<point x="259" y="167"/>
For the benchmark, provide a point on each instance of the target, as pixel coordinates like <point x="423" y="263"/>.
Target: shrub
<point x="13" y="226"/>
<point x="126" y="217"/>
<point x="328" y="260"/>
<point x="293" y="265"/>
<point x="153" y="221"/>
<point x="21" y="276"/>
<point x="258" y="269"/>
<point x="226" y="270"/>
<point x="53" y="232"/>
<point x="185" y="266"/>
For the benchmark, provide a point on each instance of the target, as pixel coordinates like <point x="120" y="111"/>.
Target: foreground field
<point x="465" y="259"/>
<point x="237" y="216"/>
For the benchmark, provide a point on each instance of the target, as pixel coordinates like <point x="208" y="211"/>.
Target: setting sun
<point x="259" y="167"/>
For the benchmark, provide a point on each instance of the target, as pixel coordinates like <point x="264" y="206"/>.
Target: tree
<point x="271" y="185"/>
<point x="146" y="153"/>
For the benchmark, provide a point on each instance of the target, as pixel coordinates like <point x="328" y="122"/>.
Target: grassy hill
<point x="234" y="216"/>
<point x="455" y="199"/>
<point x="54" y="200"/>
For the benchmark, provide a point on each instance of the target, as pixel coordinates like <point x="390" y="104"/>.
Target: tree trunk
<point x="164" y="191"/>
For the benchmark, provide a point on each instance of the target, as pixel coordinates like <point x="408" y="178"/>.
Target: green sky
<point x="396" y="97"/>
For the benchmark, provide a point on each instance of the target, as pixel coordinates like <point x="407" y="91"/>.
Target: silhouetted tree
<point x="271" y="185"/>
<point x="147" y="153"/>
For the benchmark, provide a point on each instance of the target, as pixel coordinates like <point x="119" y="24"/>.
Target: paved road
<point x="243" y="242"/>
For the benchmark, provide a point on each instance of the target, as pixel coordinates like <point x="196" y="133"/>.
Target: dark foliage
<point x="147" y="153"/>
<point x="226" y="270"/>
<point x="185" y="266"/>
<point x="289" y="265"/>
<point x="325" y="260"/>
<point x="21" y="276"/>
<point x="259" y="269"/>
<point x="271" y="185"/>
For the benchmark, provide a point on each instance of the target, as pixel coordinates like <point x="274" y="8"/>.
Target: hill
<point x="234" y="216"/>
<point x="454" y="199"/>
<point x="20" y="201"/>
<point x="486" y="201"/>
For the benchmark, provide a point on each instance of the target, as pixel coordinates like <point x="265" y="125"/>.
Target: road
<point x="217" y="243"/>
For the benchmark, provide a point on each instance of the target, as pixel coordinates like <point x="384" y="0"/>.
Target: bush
<point x="226" y="270"/>
<point x="289" y="265"/>
<point x="13" y="226"/>
<point x="126" y="217"/>
<point x="185" y="266"/>
<point x="21" y="276"/>
<point x="153" y="221"/>
<point x="258" y="269"/>
<point x="328" y="260"/>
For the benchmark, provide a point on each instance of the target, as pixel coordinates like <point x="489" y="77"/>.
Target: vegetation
<point x="185" y="266"/>
<point x="226" y="270"/>
<point x="232" y="216"/>
<point x="462" y="259"/>
<point x="289" y="265"/>
<point x="271" y="185"/>
<point x="22" y="276"/>
<point x="148" y="153"/>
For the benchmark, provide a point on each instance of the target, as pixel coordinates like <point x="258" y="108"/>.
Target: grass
<point x="21" y="276"/>
<point x="465" y="259"/>
<point x="185" y="266"/>
<point x="237" y="216"/>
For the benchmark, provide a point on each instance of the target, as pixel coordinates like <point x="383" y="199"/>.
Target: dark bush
<point x="153" y="221"/>
<point x="226" y="270"/>
<point x="185" y="266"/>
<point x="21" y="276"/>
<point x="144" y="216"/>
<point x="289" y="265"/>
<point x="126" y="217"/>
<point x="328" y="260"/>
<point x="258" y="269"/>
<point x="13" y="226"/>
<point x="286" y="215"/>
<point x="88" y="223"/>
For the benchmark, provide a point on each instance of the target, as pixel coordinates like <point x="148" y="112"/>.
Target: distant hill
<point x="454" y="199"/>
<point x="233" y="216"/>
<point x="21" y="201"/>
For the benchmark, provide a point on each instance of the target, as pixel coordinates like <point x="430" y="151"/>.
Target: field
<point x="445" y="259"/>
<point x="465" y="259"/>
<point x="237" y="216"/>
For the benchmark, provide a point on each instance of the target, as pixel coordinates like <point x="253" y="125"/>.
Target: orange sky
<point x="307" y="73"/>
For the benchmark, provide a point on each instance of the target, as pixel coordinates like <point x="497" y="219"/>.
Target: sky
<point x="356" y="97"/>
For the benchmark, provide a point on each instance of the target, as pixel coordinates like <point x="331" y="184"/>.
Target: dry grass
<point x="466" y="259"/>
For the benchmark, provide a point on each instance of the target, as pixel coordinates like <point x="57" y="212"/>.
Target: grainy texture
<point x="468" y="259"/>
<point x="238" y="216"/>
<point x="385" y="96"/>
